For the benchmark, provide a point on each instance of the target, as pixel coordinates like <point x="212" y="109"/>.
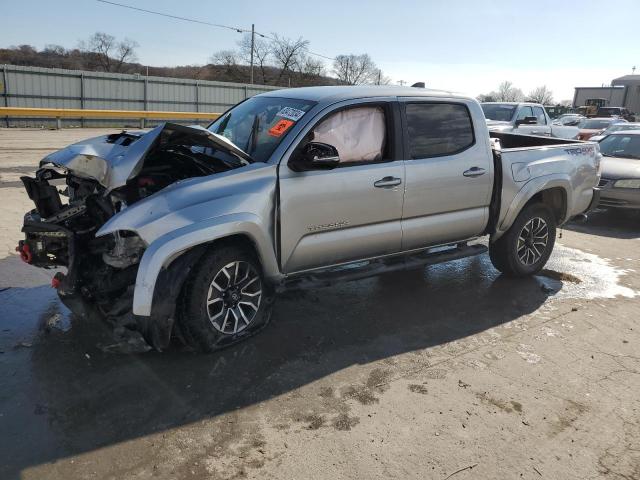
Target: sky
<point x="467" y="46"/>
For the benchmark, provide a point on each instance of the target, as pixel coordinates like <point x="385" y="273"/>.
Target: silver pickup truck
<point x="192" y="231"/>
<point x="525" y="119"/>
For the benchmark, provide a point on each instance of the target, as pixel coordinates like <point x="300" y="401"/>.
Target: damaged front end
<point x="78" y="189"/>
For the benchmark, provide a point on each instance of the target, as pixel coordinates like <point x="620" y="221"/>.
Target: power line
<point x="202" y="22"/>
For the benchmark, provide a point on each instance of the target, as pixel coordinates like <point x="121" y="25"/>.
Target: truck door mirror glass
<point x="526" y="121"/>
<point x="315" y="156"/>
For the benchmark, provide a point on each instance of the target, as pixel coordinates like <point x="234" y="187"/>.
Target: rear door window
<point x="435" y="129"/>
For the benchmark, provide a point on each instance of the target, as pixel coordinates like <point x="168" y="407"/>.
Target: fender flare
<point x="527" y="192"/>
<point x="170" y="246"/>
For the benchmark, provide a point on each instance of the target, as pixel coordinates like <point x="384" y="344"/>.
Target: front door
<point x="352" y="212"/>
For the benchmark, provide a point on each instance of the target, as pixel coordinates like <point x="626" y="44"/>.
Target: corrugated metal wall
<point x="58" y="88"/>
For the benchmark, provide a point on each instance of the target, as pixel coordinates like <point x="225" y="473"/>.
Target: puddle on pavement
<point x="578" y="274"/>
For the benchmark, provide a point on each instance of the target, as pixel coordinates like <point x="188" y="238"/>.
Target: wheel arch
<point x="164" y="251"/>
<point x="550" y="190"/>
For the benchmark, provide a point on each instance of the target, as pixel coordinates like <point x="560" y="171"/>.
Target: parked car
<point x="590" y="127"/>
<point x="615" y="128"/>
<point x="619" y="112"/>
<point x="569" y="119"/>
<point x="524" y="119"/>
<point x="196" y="229"/>
<point x="620" y="182"/>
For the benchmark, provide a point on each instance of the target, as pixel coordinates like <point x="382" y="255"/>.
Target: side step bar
<point x="364" y="269"/>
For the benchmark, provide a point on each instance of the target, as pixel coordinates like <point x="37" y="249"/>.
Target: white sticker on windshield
<point x="291" y="113"/>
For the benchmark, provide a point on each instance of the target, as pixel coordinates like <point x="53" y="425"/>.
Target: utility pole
<point x="253" y="35"/>
<point x="633" y="70"/>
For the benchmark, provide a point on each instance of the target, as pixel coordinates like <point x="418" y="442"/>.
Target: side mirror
<point x="527" y="121"/>
<point x="315" y="156"/>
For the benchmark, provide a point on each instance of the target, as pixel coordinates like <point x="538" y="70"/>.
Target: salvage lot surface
<point x="454" y="370"/>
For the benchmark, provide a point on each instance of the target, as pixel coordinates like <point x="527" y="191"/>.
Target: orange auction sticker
<point x="280" y="128"/>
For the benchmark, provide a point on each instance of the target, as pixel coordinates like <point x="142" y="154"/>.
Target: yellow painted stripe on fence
<point x="84" y="113"/>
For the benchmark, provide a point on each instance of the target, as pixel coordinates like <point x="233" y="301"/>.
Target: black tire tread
<point x="503" y="253"/>
<point x="195" y="327"/>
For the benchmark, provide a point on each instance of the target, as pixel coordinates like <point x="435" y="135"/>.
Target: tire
<point x="225" y="300"/>
<point x="519" y="254"/>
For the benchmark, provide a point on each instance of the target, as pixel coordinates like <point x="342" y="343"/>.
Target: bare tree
<point x="541" y="95"/>
<point x="107" y="53"/>
<point x="379" y="78"/>
<point x="311" y="67"/>
<point x="487" y="97"/>
<point x="261" y="54"/>
<point x="287" y="54"/>
<point x="230" y="60"/>
<point x="508" y="93"/>
<point x="355" y="69"/>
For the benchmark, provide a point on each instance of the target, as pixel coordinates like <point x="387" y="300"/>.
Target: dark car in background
<point x="620" y="112"/>
<point x="620" y="178"/>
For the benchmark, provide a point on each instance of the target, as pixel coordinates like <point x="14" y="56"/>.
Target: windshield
<point x="620" y="145"/>
<point x="498" y="111"/>
<point x="259" y="124"/>
<point x="594" y="124"/>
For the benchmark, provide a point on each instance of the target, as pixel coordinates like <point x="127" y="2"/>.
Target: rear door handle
<point x="474" y="172"/>
<point x="387" y="182"/>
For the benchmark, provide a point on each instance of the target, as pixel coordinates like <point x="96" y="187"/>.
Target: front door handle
<point x="474" y="172"/>
<point x="387" y="182"/>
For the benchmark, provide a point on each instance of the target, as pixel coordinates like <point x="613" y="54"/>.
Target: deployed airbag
<point x="357" y="133"/>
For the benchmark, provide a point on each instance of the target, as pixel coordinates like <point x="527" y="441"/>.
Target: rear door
<point x="353" y="211"/>
<point x="449" y="172"/>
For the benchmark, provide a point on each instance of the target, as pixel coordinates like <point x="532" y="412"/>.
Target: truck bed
<point x="522" y="161"/>
<point x="512" y="140"/>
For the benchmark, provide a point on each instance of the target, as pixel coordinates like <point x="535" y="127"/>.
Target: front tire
<point x="525" y="248"/>
<point x="226" y="299"/>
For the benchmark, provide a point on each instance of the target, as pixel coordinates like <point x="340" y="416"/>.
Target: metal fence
<point x="57" y="88"/>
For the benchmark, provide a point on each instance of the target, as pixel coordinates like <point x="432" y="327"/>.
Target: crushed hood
<point x="111" y="160"/>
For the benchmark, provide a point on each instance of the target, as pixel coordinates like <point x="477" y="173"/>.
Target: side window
<point x="539" y="114"/>
<point x="359" y="133"/>
<point x="436" y="129"/>
<point x="524" y="112"/>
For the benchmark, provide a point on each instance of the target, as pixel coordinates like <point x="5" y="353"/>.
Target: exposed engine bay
<point x="77" y="189"/>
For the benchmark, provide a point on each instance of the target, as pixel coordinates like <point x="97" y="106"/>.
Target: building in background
<point x="623" y="92"/>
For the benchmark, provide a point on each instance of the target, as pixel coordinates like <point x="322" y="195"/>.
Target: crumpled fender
<point x="167" y="248"/>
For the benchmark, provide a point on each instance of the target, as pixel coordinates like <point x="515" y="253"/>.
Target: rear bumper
<point x="595" y="200"/>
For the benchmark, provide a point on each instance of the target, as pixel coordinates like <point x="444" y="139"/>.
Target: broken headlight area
<point x="79" y="188"/>
<point x="100" y="272"/>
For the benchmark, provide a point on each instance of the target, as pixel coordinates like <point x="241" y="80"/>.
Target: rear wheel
<point x="525" y="248"/>
<point x="225" y="300"/>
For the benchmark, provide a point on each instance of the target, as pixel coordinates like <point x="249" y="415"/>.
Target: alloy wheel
<point x="234" y="296"/>
<point x="532" y="241"/>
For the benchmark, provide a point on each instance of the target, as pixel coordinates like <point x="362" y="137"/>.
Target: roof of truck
<point x="337" y="93"/>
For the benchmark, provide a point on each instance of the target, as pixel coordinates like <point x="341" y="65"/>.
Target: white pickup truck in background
<point x="524" y="119"/>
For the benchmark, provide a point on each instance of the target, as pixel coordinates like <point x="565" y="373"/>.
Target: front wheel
<point x="226" y="299"/>
<point x="525" y="248"/>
